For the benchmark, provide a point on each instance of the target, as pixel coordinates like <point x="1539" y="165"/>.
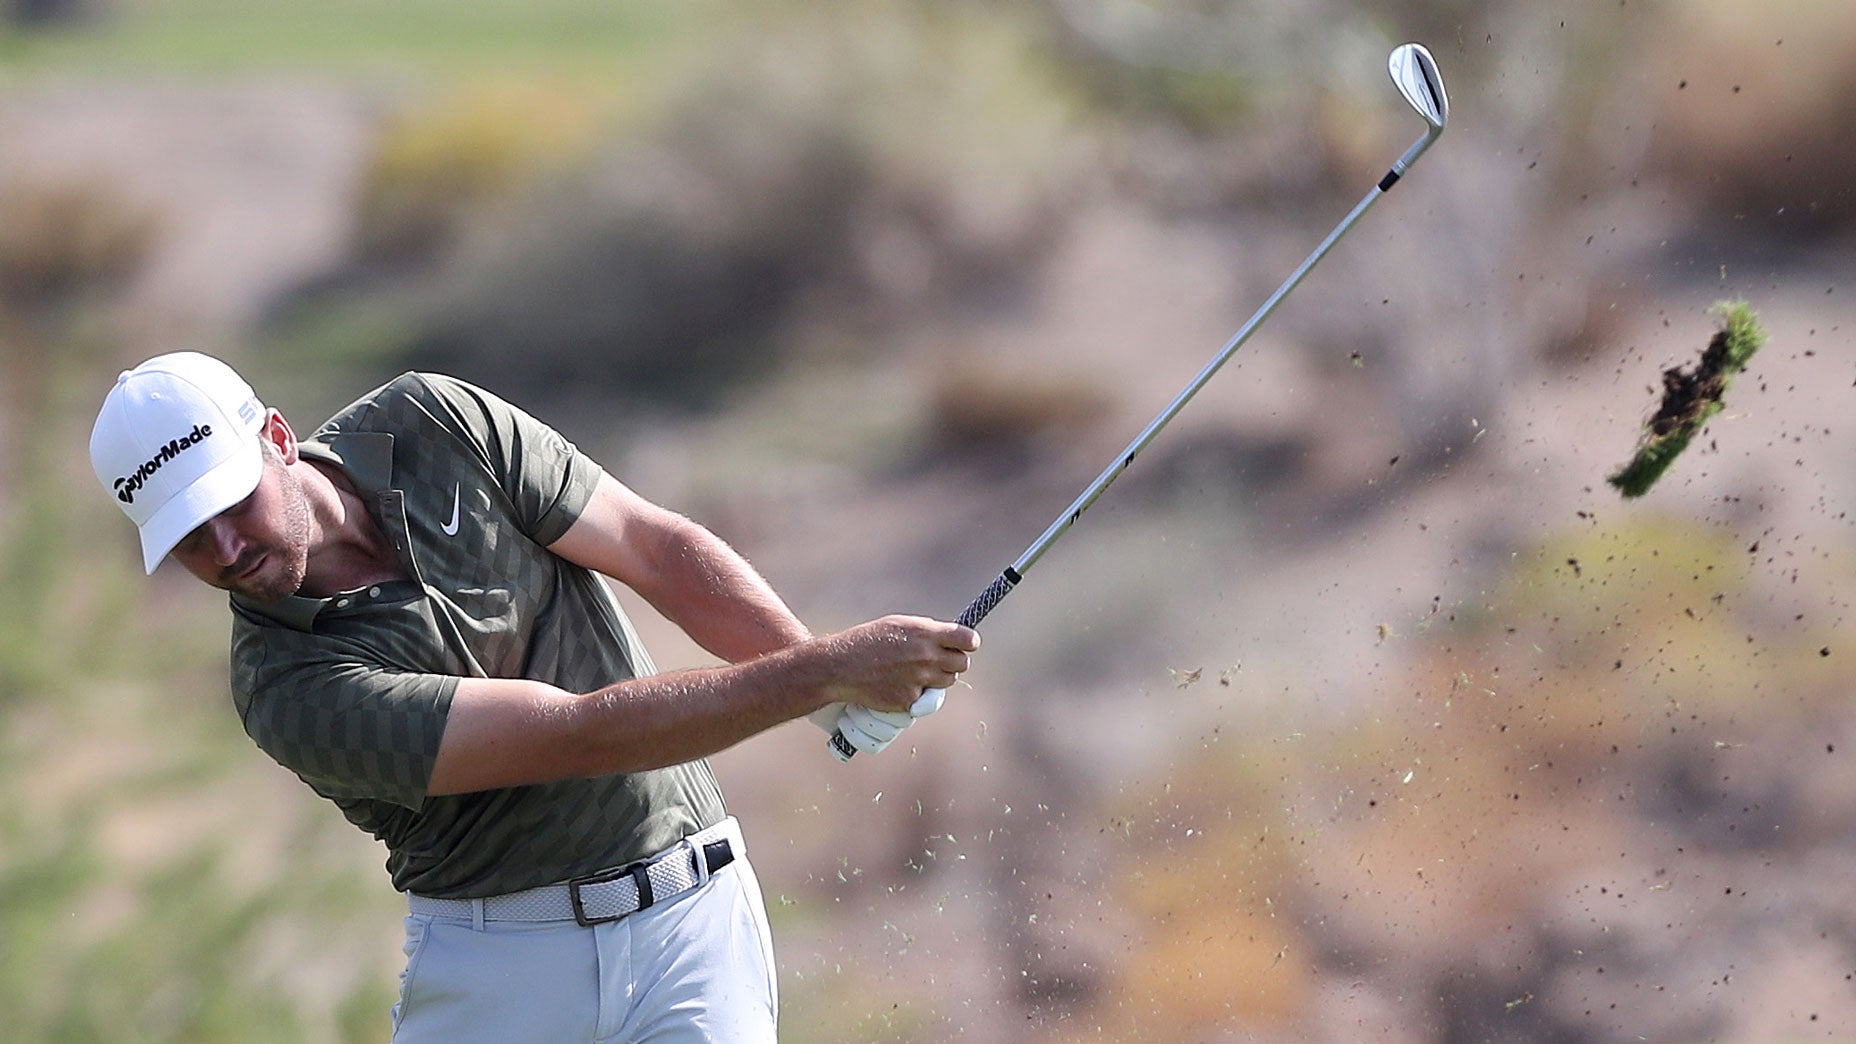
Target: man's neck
<point x="351" y="551"/>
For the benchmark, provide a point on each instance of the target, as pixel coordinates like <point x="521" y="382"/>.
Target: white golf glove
<point x="871" y="731"/>
<point x="930" y="701"/>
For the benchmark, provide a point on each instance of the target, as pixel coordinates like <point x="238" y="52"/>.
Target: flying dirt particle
<point x="1181" y="679"/>
<point x="1691" y="397"/>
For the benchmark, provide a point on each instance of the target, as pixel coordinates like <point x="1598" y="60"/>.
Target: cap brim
<point x="230" y="481"/>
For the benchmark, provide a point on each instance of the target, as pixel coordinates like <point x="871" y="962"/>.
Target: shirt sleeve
<point x="350" y="729"/>
<point x="547" y="479"/>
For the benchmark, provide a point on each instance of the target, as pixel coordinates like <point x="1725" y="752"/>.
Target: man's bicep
<point x="692" y="577"/>
<point x="616" y="533"/>
<point x="503" y="732"/>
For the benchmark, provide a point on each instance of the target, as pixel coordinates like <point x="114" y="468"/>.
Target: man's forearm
<point x="677" y="717"/>
<point x="504" y="732"/>
<point x="510" y="732"/>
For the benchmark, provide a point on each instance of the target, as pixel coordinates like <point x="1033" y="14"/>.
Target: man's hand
<point x="873" y="731"/>
<point x="871" y="727"/>
<point x="887" y="664"/>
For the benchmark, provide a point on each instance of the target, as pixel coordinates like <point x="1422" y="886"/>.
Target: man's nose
<point x="223" y="541"/>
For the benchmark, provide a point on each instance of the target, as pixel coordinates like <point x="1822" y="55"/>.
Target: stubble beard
<point x="286" y="564"/>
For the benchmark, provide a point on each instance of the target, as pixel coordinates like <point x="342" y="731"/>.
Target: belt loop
<point x="476" y="915"/>
<point x="641" y="878"/>
<point x="698" y="859"/>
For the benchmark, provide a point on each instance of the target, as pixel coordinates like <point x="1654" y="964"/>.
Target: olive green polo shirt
<point x="350" y="692"/>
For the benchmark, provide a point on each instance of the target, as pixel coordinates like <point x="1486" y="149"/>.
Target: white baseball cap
<point x="177" y="443"/>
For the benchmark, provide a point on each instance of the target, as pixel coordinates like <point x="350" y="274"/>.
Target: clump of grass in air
<point x="1691" y="397"/>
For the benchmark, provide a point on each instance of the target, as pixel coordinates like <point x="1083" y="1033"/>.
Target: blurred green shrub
<point x="662" y="273"/>
<point x="63" y="238"/>
<point x="442" y="159"/>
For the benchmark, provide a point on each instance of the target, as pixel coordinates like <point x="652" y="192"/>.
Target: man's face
<point x="258" y="547"/>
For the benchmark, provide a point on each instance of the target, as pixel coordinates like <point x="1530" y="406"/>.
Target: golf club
<point x="1415" y="73"/>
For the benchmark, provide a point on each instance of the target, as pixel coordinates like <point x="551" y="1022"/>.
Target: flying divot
<point x="1691" y="397"/>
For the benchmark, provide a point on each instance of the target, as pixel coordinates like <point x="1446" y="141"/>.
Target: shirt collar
<point x="366" y="457"/>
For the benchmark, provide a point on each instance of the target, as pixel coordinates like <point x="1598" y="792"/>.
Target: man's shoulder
<point x="412" y="385"/>
<point x="413" y="401"/>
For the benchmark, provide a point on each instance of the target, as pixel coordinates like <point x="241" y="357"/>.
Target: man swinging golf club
<point x="421" y="634"/>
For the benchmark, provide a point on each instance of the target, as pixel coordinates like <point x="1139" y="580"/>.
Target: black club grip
<point x="990" y="598"/>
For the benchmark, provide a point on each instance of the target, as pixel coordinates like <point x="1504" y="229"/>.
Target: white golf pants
<point x="695" y="968"/>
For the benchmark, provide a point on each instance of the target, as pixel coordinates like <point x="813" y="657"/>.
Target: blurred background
<point x="1360" y="709"/>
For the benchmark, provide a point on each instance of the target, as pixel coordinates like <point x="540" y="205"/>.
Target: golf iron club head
<point x="1415" y="73"/>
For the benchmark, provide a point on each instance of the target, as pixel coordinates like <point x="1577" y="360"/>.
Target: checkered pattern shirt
<point x="350" y="692"/>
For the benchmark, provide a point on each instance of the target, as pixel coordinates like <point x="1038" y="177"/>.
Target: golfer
<point x="420" y="632"/>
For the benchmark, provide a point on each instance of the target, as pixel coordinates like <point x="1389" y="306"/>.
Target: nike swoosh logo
<point x="451" y="527"/>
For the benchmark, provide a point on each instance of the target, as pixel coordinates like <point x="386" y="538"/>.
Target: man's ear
<point x="276" y="434"/>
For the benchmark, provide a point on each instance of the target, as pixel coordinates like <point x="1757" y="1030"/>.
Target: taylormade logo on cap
<point x="176" y="443"/>
<point x="127" y="487"/>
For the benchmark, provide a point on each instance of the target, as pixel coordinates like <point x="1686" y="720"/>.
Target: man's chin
<point x="269" y="583"/>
